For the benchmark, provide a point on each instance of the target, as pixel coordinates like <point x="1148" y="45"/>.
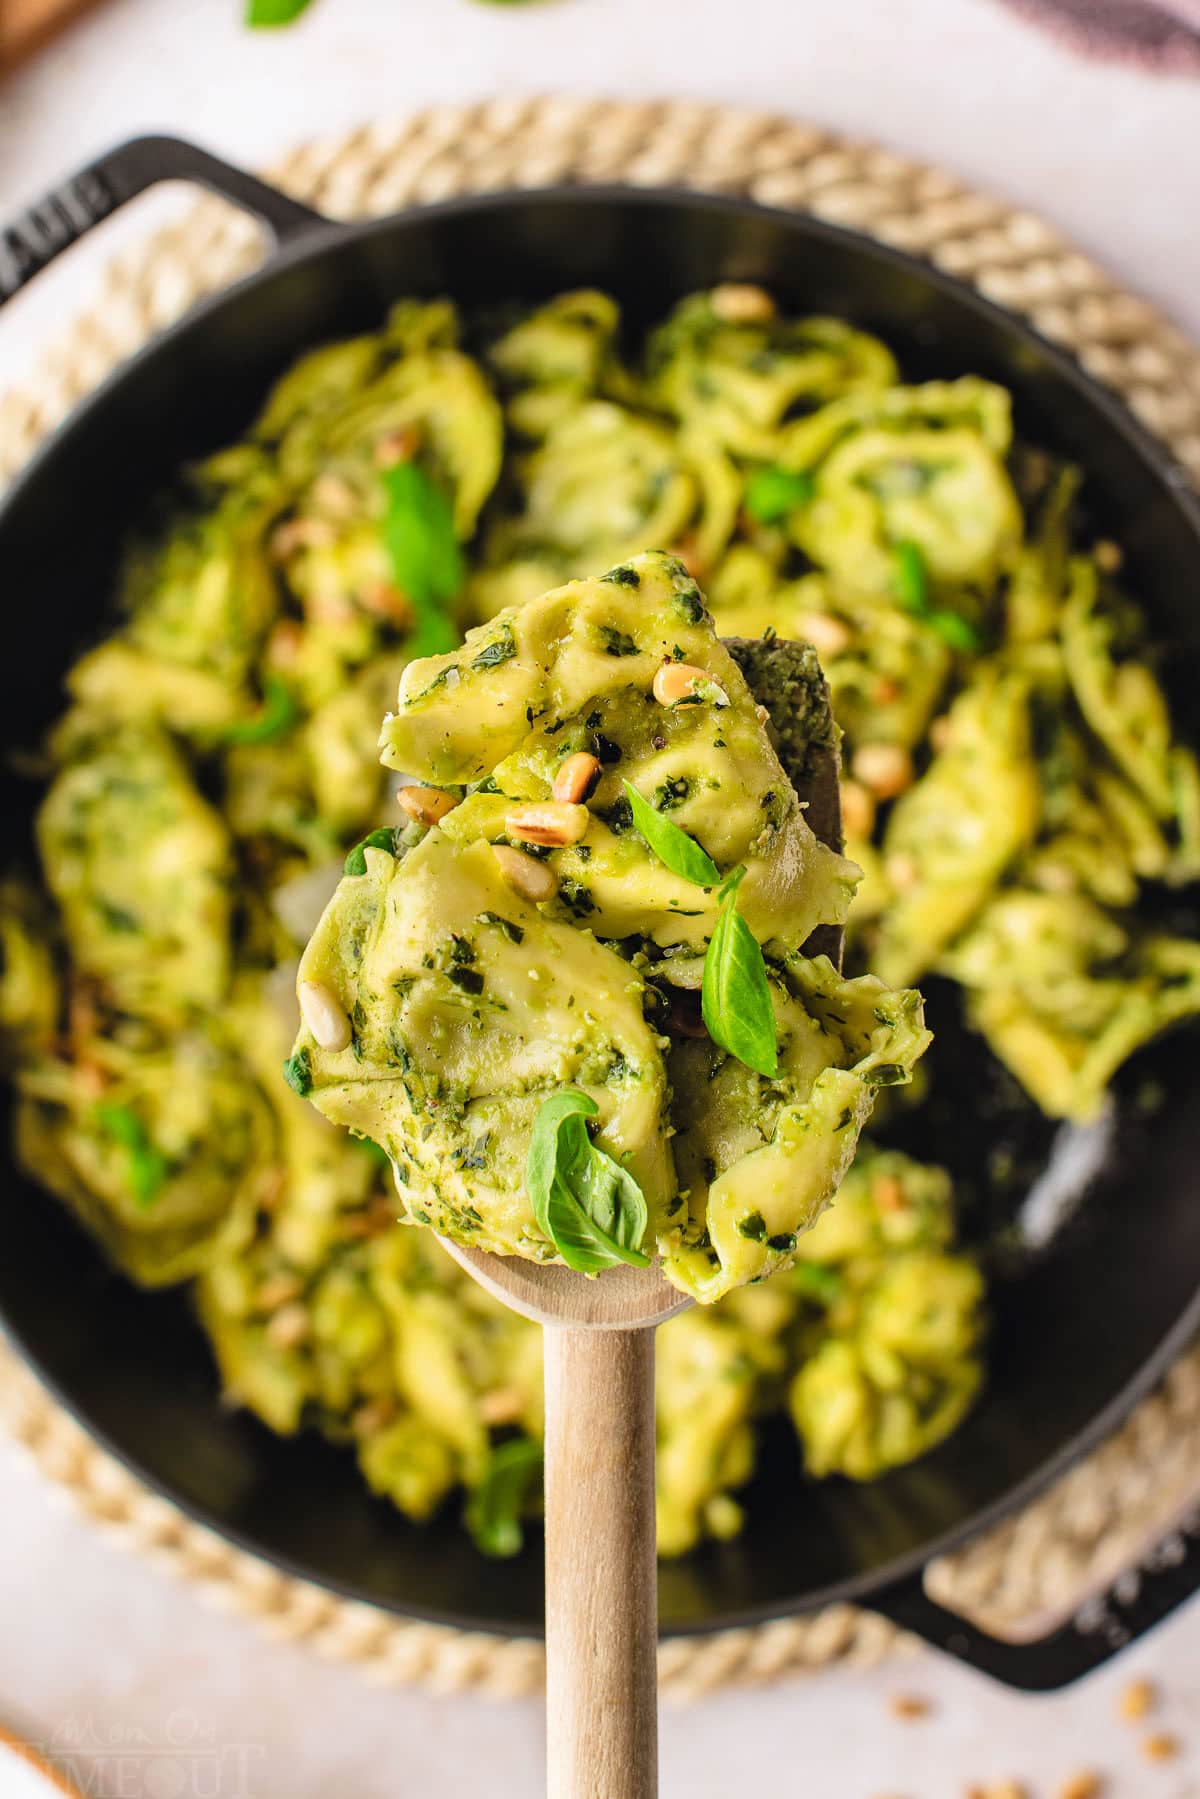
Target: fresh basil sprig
<point x="912" y="590"/>
<point x="494" y="1510"/>
<point x="591" y="1208"/>
<point x="382" y="839"/>
<point x="735" y="998"/>
<point x="147" y="1168"/>
<point x="274" y="12"/>
<point x="771" y="493"/>
<point x="279" y="711"/>
<point x="427" y="564"/>
<point x="680" y="853"/>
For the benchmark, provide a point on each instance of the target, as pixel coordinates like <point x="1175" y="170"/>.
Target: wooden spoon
<point x="601" y="1566"/>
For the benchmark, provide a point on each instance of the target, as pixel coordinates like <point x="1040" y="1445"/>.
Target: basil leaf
<point x="955" y="630"/>
<point x="383" y="839"/>
<point x="494" y="1509"/>
<point x="427" y="564"/>
<point x="735" y="998"/>
<point x="591" y="1208"/>
<point x="297" y="1072"/>
<point x="274" y="12"/>
<point x="277" y="714"/>
<point x="681" y="853"/>
<point x="912" y="583"/>
<point x="771" y="493"/>
<point x="817" y="1281"/>
<point x="147" y="1168"/>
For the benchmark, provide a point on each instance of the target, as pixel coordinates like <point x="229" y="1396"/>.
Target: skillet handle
<point x="1139" y="1599"/>
<point x="68" y="212"/>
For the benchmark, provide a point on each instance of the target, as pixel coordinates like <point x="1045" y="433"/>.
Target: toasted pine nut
<point x="289" y="1327"/>
<point x="1161" y="1747"/>
<point x="278" y="1290"/>
<point x="828" y="635"/>
<point x="888" y="1193"/>
<point x="335" y="496"/>
<point x="883" y="767"/>
<point x="375" y="1414"/>
<point x="576" y="778"/>
<point x="762" y="715"/>
<point x="323" y="1015"/>
<point x="1086" y="1784"/>
<point x="741" y="303"/>
<point x="1107" y="556"/>
<point x="677" y="681"/>
<point x="385" y="601"/>
<point x="551" y="822"/>
<point x="501" y="1406"/>
<point x="858" y="809"/>
<point x="397" y="446"/>
<point x="941" y="733"/>
<point x="425" y="805"/>
<point x="902" y="871"/>
<point x="1137" y="1700"/>
<point x="285" y="643"/>
<point x="301" y="534"/>
<point x="532" y="879"/>
<point x="910" y="1705"/>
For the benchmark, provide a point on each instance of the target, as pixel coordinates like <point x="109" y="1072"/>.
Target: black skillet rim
<point x="1164" y="468"/>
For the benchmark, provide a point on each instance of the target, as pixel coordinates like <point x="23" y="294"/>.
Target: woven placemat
<point x="1109" y="1510"/>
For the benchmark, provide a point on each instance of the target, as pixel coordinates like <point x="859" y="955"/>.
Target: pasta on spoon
<point x="570" y="997"/>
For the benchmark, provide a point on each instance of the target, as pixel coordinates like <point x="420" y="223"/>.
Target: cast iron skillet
<point x="1085" y="1329"/>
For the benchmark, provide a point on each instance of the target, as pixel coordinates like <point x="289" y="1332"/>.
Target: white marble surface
<point x="164" y="1698"/>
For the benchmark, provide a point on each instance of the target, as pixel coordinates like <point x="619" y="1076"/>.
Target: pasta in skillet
<point x="1013" y="785"/>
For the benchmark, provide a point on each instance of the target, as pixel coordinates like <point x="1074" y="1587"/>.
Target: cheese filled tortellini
<point x="1015" y="790"/>
<point x="467" y="987"/>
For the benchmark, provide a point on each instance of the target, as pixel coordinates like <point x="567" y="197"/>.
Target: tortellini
<point x="470" y="1003"/>
<point x="1013" y="787"/>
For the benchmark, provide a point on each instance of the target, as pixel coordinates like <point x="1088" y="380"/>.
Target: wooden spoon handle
<point x="601" y="1573"/>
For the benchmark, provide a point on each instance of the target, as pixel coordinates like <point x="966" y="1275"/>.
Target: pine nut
<point x="1161" y="1747"/>
<point x="858" y="810"/>
<point x="741" y="303"/>
<point x="502" y="1405"/>
<point x="551" y="823"/>
<point x="426" y="805"/>
<point x="941" y="733"/>
<point x="335" y="496"/>
<point x="910" y="1705"/>
<point x="285" y="643"/>
<point x="532" y="879"/>
<point x="883" y="767"/>
<point x="1086" y="1784"/>
<point x="385" y="601"/>
<point x="762" y="715"/>
<point x="1137" y="1700"/>
<point x="902" y="871"/>
<point x="289" y="1327"/>
<point x="278" y="1290"/>
<point x="676" y="681"/>
<point x="396" y="446"/>
<point x="374" y="1415"/>
<point x="301" y="534"/>
<point x="888" y="1193"/>
<point x="576" y="778"/>
<point x="828" y="636"/>
<point x="323" y="1015"/>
